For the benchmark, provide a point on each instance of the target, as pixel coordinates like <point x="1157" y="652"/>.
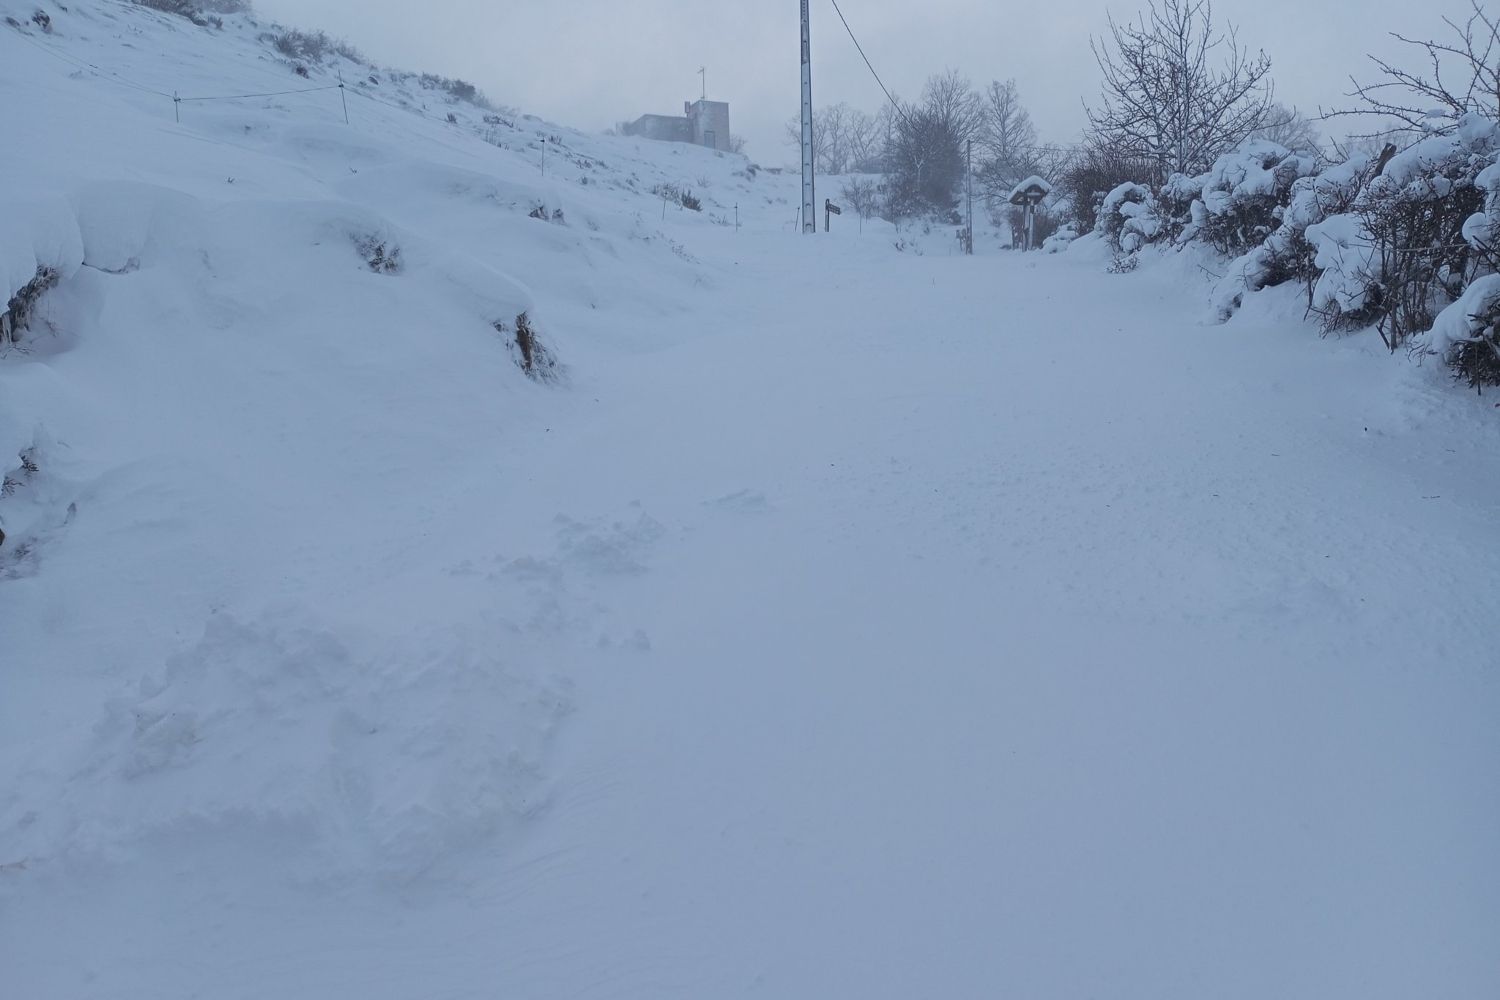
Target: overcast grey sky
<point x="591" y="63"/>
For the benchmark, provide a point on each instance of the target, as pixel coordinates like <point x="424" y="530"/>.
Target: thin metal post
<point x="969" y="188"/>
<point x="809" y="201"/>
<point x="344" y="97"/>
<point x="177" y="107"/>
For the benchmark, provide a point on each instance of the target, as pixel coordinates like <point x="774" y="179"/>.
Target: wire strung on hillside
<point x="276" y="93"/>
<point x="894" y="103"/>
<point x="404" y="108"/>
<point x="91" y="68"/>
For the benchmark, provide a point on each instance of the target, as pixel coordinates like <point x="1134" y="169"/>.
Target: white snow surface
<point x="847" y="623"/>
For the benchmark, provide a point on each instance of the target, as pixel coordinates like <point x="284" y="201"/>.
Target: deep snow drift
<point x="847" y="623"/>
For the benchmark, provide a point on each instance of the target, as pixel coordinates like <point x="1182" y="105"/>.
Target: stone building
<point x="703" y="123"/>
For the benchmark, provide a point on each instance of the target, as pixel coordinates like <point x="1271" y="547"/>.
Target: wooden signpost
<point x="1029" y="194"/>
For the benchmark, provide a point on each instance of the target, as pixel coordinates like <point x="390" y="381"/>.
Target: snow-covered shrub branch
<point x="1400" y="255"/>
<point x="1391" y="242"/>
<point x="17" y="314"/>
<point x="531" y="355"/>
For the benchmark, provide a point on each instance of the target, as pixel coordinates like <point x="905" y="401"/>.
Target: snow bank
<point x="35" y="235"/>
<point x="358" y="756"/>
<point x="1473" y="318"/>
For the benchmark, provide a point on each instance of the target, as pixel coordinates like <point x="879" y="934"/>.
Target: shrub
<point x="379" y="254"/>
<point x="200" y="12"/>
<point x="1127" y="218"/>
<point x="1401" y="254"/>
<point x="1061" y="240"/>
<point x="458" y="90"/>
<point x="682" y="196"/>
<point x="1467" y="334"/>
<point x="530" y="354"/>
<point x="17" y="314"/>
<point x="1238" y="202"/>
<point x="1085" y="184"/>
<point x="1288" y="254"/>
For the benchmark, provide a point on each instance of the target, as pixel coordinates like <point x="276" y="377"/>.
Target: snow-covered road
<point x="851" y="624"/>
<point x="928" y="627"/>
<point x="1012" y="634"/>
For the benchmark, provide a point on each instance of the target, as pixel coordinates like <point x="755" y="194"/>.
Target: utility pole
<point x="969" y="192"/>
<point x="809" y="202"/>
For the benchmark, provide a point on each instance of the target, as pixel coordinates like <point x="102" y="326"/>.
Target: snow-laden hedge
<point x="1287" y="254"/>
<point x="1128" y="219"/>
<point x="40" y="245"/>
<point x="1400" y="254"/>
<point x="1400" y="243"/>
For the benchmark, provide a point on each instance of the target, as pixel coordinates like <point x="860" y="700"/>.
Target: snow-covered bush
<point x="1287" y="254"/>
<point x="531" y="355"/>
<point x="1482" y="229"/>
<point x="1239" y="201"/>
<point x="1467" y="334"/>
<point x="200" y="12"/>
<point x="458" y="90"/>
<point x="1128" y="218"/>
<point x="17" y="314"/>
<point x="311" y="46"/>
<point x="1061" y="240"/>
<point x="679" y="196"/>
<point x="40" y="246"/>
<point x="380" y="254"/>
<point x="1090" y="178"/>
<point x="1400" y="255"/>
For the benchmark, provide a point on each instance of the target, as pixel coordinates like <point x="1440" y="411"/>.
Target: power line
<point x="894" y="103"/>
<point x="277" y="93"/>
<point x="1037" y="148"/>
<point x="90" y="67"/>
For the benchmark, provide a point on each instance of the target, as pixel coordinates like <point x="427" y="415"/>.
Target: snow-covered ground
<point x="846" y="623"/>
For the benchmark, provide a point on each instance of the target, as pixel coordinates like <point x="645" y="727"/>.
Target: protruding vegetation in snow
<point x="531" y="355"/>
<point x="17" y="314"/>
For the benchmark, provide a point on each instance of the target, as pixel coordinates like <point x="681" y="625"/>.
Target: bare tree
<point x="1006" y="135"/>
<point x="1177" y="90"/>
<point x="1463" y="75"/>
<point x="1290" y="128"/>
<point x="844" y="138"/>
<point x="952" y="102"/>
<point x="862" y="136"/>
<point x="864" y="197"/>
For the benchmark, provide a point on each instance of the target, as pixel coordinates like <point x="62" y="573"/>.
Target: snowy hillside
<point x="828" y="621"/>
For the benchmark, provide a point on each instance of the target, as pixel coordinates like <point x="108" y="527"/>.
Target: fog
<point x="592" y="63"/>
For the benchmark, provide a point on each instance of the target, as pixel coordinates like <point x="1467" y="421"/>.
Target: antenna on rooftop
<point x="703" y="72"/>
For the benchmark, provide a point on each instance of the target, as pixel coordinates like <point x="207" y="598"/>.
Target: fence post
<point x="344" y="97"/>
